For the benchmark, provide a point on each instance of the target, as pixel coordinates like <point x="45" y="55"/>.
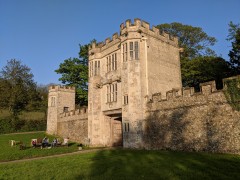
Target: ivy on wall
<point x="232" y="92"/>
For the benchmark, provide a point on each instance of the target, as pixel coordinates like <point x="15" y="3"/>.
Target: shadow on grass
<point x="142" y="164"/>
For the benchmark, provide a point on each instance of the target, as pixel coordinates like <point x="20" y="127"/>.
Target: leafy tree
<point x="4" y="95"/>
<point x="74" y="72"/>
<point x="193" y="40"/>
<point x="83" y="53"/>
<point x="38" y="101"/>
<point x="17" y="86"/>
<point x="234" y="53"/>
<point x="202" y="69"/>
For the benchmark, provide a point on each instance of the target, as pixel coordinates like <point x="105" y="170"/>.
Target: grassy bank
<point x="128" y="164"/>
<point x="27" y="115"/>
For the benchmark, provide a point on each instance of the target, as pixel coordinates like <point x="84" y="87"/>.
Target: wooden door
<point x="117" y="133"/>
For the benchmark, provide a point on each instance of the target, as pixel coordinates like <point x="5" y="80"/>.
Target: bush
<point x="10" y="125"/>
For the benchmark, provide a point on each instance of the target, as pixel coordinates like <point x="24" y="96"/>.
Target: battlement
<point x="144" y="27"/>
<point x="74" y="114"/>
<point x="109" y="40"/>
<point x="138" y="26"/>
<point x="206" y="89"/>
<point x="61" y="88"/>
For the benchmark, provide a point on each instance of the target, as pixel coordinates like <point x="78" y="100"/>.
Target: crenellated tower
<point x="60" y="99"/>
<point x="135" y="89"/>
<point x="123" y="72"/>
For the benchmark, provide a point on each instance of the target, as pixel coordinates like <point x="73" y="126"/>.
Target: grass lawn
<point x="127" y="164"/>
<point x="12" y="153"/>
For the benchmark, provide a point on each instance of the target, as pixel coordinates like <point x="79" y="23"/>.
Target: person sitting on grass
<point x="45" y="142"/>
<point x="54" y="143"/>
<point x="34" y="144"/>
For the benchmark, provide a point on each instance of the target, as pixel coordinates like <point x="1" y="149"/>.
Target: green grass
<point x="127" y="164"/>
<point x="25" y="115"/>
<point x="12" y="153"/>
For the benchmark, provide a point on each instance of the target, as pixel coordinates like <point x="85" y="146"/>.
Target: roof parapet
<point x="140" y="25"/>
<point x="60" y="87"/>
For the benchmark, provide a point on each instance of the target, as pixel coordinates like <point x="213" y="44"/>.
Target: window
<point x="136" y="49"/>
<point x="126" y="127"/>
<point x="65" y="109"/>
<point x="108" y="94"/>
<point x="112" y="62"/>
<point x="53" y="102"/>
<point x="107" y="65"/>
<point x="112" y="92"/>
<point x="125" y="99"/>
<point x="92" y="69"/>
<point x="95" y="69"/>
<point x="131" y="51"/>
<point x="98" y="67"/>
<point x="115" y="61"/>
<point x="115" y="92"/>
<point x="126" y="52"/>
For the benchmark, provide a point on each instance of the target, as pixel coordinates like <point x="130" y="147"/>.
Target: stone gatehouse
<point x="135" y="80"/>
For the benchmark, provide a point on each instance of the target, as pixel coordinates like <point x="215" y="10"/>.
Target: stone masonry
<point x="123" y="72"/>
<point x="203" y="121"/>
<point x="136" y="99"/>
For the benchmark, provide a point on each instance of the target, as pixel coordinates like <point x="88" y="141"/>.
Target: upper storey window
<point x="94" y="68"/>
<point x="133" y="50"/>
<point x="125" y="51"/>
<point x="112" y="92"/>
<point x="112" y="62"/>
<point x="53" y="101"/>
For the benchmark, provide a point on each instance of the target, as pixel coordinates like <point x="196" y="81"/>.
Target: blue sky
<point x="43" y="33"/>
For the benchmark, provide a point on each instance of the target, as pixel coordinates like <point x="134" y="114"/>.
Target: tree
<point x="4" y="95"/>
<point x="234" y="53"/>
<point x="193" y="40"/>
<point x="202" y="69"/>
<point x="74" y="72"/>
<point x="18" y="86"/>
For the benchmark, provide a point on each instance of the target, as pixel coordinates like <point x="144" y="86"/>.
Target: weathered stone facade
<point x="136" y="99"/>
<point x="123" y="72"/>
<point x="203" y="121"/>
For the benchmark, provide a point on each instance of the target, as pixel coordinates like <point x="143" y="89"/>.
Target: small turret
<point x="60" y="99"/>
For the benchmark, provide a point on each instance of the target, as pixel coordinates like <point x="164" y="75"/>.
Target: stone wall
<point x="189" y="121"/>
<point x="74" y="125"/>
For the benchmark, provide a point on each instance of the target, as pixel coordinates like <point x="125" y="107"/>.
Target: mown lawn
<point x="127" y="164"/>
<point x="12" y="153"/>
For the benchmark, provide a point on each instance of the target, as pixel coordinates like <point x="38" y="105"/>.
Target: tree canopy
<point x="203" y="69"/>
<point x="234" y="53"/>
<point x="17" y="86"/>
<point x="74" y="72"/>
<point x="193" y="40"/>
